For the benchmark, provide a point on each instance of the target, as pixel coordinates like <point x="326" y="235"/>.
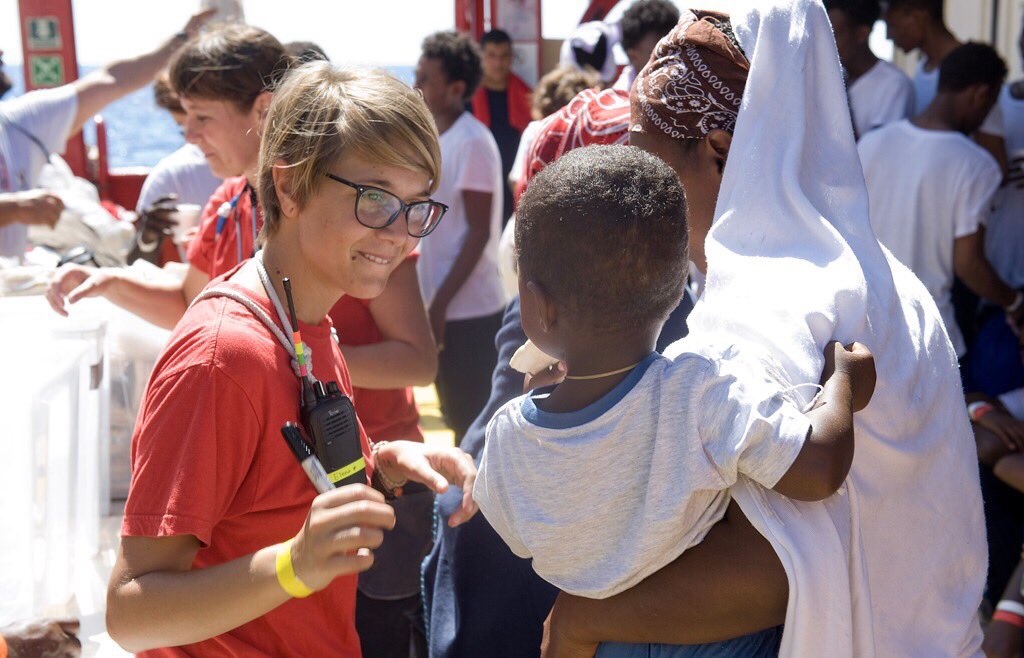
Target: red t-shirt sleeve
<point x="196" y="443"/>
<point x="200" y="250"/>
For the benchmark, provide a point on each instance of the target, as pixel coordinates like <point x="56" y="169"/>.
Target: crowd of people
<point x="729" y="371"/>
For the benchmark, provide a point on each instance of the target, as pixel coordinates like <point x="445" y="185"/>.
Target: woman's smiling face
<point x="343" y="252"/>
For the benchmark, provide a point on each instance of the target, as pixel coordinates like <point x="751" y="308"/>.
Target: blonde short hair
<point x="321" y="112"/>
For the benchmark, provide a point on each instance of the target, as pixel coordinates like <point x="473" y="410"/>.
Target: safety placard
<point x="46" y="70"/>
<point x="43" y="33"/>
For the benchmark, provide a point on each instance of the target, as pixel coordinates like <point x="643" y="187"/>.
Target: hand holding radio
<point x="342" y="529"/>
<point x="433" y="466"/>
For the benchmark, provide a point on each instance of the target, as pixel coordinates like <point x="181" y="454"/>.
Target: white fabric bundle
<point x="894" y="564"/>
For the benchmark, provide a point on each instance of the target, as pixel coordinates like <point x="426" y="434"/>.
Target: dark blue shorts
<point x="764" y="644"/>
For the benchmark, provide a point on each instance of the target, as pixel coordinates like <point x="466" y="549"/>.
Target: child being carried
<point x="609" y="476"/>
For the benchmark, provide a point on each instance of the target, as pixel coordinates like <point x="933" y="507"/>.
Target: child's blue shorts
<point x="764" y="644"/>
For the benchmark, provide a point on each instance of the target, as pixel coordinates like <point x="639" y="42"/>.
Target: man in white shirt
<point x="879" y="92"/>
<point x="38" y="123"/>
<point x="458" y="265"/>
<point x="931" y="188"/>
<point x="919" y="25"/>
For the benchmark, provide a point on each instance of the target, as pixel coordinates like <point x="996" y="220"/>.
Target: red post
<point x="48" y="49"/>
<point x="469" y="17"/>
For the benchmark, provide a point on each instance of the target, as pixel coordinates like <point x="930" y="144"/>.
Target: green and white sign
<point x="44" y="33"/>
<point x="46" y="70"/>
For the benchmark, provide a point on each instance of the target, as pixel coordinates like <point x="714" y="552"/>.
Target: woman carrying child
<point x="751" y="114"/>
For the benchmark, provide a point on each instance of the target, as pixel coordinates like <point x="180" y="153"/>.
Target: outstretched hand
<point x="433" y="466"/>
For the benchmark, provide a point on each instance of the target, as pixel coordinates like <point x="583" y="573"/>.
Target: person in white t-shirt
<point x="458" y="267"/>
<point x="918" y="25"/>
<point x="879" y="92"/>
<point x="1004" y="239"/>
<point x="38" y="123"/>
<point x="930" y="188"/>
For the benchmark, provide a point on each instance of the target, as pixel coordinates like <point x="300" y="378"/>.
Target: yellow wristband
<point x="286" y="577"/>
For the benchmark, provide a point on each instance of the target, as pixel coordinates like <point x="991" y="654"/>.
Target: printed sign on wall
<point x="47" y="71"/>
<point x="44" y="33"/>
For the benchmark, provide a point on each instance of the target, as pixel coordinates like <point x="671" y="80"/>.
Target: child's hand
<point x="857" y="362"/>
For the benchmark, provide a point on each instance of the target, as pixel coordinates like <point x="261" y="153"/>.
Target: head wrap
<point x="592" y="117"/>
<point x="694" y="81"/>
<point x="592" y="45"/>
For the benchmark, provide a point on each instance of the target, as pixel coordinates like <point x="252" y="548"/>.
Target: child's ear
<point x="545" y="306"/>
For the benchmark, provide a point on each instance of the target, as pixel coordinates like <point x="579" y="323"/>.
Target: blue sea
<point x="139" y="133"/>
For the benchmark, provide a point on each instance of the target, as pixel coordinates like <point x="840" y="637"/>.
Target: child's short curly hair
<point x="603" y="231"/>
<point x="459" y="57"/>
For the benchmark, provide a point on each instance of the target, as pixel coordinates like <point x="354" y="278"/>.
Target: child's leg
<point x="764" y="644"/>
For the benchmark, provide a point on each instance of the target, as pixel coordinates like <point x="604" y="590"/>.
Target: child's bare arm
<point x="824" y="461"/>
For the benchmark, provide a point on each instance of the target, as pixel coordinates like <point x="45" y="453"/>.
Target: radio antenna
<point x="300" y="350"/>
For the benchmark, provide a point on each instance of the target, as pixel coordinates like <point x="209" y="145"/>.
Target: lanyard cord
<point x="227" y="209"/>
<point x="268" y="286"/>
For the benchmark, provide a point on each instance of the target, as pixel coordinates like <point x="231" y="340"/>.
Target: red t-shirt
<point x="208" y="460"/>
<point x="387" y="414"/>
<point x="216" y="254"/>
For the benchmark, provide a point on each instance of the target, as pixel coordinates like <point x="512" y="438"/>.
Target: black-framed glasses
<point x="377" y="208"/>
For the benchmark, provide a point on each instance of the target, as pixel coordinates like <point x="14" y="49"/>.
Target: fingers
<point x="55" y="299"/>
<point x="88" y="288"/>
<point x="355" y="563"/>
<point x="68" y="276"/>
<point x="1004" y="437"/>
<point x="464" y="476"/>
<point x="417" y="467"/>
<point x="346" y="495"/>
<point x="358" y="537"/>
<point x="361" y="513"/>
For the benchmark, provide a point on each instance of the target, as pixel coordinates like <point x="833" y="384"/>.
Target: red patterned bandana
<point x="694" y="81"/>
<point x="592" y="117"/>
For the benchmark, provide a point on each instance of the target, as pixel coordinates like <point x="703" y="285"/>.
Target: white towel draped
<point x="894" y="564"/>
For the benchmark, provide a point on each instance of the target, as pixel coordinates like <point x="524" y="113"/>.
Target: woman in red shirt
<point x="348" y="161"/>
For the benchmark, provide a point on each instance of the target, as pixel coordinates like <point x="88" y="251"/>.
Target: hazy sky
<point x="384" y="32"/>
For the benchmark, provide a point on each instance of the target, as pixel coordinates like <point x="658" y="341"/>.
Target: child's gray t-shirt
<point x="603" y="497"/>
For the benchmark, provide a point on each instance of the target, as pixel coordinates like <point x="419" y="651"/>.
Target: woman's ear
<point x="283" y="189"/>
<point x="261" y="106"/>
<point x="547" y="312"/>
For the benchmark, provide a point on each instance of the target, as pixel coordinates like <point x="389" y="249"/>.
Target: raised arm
<point x="823" y="463"/>
<point x="104" y="86"/>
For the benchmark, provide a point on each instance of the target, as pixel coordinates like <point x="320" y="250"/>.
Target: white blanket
<point x="894" y="564"/>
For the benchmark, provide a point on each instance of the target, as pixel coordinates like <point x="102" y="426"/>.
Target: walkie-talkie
<point x="328" y="416"/>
